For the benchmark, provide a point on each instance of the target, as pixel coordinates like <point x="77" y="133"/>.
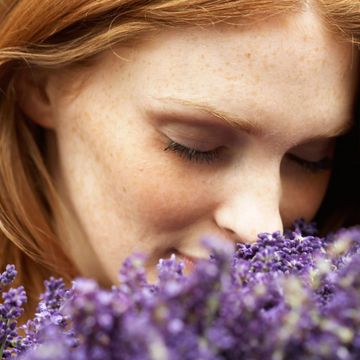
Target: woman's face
<point x="286" y="85"/>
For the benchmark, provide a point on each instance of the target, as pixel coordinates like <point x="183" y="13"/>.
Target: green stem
<point x="2" y="348"/>
<point x="4" y="342"/>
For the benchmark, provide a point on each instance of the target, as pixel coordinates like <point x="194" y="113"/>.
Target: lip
<point x="188" y="261"/>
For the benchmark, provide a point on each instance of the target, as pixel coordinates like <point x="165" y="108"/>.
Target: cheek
<point x="161" y="194"/>
<point x="302" y="197"/>
<point x="134" y="179"/>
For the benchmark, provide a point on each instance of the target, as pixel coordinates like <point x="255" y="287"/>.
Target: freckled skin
<point x="130" y="195"/>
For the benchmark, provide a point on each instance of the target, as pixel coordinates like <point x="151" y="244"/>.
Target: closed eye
<point x="193" y="154"/>
<point x="211" y="156"/>
<point x="325" y="164"/>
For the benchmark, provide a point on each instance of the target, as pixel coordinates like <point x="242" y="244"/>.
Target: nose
<point x="247" y="212"/>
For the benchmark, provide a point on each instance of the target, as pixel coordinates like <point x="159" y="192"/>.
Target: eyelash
<point x="192" y="154"/>
<point x="213" y="155"/>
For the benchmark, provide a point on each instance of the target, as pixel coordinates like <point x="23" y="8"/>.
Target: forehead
<point x="287" y="69"/>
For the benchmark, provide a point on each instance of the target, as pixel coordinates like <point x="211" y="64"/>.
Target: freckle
<point x="248" y="55"/>
<point x="124" y="189"/>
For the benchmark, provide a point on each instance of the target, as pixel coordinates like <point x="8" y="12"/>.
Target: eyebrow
<point x="243" y="124"/>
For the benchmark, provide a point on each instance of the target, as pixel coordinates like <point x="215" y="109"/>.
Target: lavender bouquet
<point x="287" y="296"/>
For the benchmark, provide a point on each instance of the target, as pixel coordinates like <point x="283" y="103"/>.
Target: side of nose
<point x="249" y="210"/>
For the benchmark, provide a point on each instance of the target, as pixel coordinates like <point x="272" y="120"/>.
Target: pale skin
<point x="287" y="76"/>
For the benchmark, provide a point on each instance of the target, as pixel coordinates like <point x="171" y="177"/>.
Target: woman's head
<point x="96" y="93"/>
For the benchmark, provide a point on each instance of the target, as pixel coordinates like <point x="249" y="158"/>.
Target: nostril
<point x="245" y="237"/>
<point x="231" y="235"/>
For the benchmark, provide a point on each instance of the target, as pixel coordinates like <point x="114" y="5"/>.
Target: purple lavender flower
<point x="8" y="276"/>
<point x="286" y="296"/>
<point x="10" y="310"/>
<point x="49" y="318"/>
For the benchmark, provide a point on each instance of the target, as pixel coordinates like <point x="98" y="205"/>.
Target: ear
<point x="33" y="98"/>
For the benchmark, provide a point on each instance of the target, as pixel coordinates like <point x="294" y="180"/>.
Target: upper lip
<point x="188" y="257"/>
